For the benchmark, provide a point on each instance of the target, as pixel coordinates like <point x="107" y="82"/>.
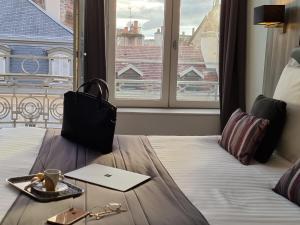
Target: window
<point x="163" y="53"/>
<point x="4" y="59"/>
<point x="2" y="63"/>
<point x="130" y="72"/>
<point x="60" y="62"/>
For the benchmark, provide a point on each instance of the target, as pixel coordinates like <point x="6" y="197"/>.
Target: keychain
<point x="109" y="209"/>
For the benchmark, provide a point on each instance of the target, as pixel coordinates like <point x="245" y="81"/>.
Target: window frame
<point x="52" y="54"/>
<point x="5" y="54"/>
<point x="170" y="62"/>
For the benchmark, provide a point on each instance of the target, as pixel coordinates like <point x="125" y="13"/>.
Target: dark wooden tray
<point x="21" y="182"/>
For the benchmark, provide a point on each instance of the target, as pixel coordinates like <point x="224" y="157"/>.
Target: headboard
<point x="296" y="54"/>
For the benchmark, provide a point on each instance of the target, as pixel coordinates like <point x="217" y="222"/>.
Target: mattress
<point x="225" y="191"/>
<point x="19" y="148"/>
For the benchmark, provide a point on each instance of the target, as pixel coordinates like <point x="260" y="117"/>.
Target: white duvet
<point x="19" y="148"/>
<point x="225" y="191"/>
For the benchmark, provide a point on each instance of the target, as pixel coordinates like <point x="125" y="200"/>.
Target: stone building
<point x="32" y="41"/>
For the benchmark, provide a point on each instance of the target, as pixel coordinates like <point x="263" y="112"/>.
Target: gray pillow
<point x="274" y="111"/>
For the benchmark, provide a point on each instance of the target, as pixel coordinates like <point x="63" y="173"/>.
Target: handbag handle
<point x="88" y="85"/>
<point x="99" y="82"/>
<point x="102" y="83"/>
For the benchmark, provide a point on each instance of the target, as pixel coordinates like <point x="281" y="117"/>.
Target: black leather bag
<point x="90" y="120"/>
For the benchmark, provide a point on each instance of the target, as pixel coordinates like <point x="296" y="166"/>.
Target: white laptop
<point x="109" y="177"/>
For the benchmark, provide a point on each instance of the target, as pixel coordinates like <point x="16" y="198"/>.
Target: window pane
<point x="2" y="65"/>
<point x="139" y="49"/>
<point x="61" y="65"/>
<point x="34" y="81"/>
<point x="197" y="72"/>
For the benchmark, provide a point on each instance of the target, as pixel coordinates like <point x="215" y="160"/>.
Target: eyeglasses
<point x="109" y="209"/>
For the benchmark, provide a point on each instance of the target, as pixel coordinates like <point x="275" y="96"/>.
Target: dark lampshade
<point x="269" y="15"/>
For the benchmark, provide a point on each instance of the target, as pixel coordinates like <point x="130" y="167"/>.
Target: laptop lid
<point x="109" y="177"/>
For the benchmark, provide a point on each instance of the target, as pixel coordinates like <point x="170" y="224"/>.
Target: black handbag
<point x="90" y="120"/>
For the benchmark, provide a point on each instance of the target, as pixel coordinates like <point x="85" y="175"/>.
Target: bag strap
<point x="100" y="84"/>
<point x="88" y="85"/>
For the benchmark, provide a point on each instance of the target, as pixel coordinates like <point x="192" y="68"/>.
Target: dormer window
<point x="60" y="62"/>
<point x="191" y="74"/>
<point x="130" y="72"/>
<point x="4" y="59"/>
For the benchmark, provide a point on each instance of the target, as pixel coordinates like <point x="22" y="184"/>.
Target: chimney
<point x="193" y="31"/>
<point x="52" y="7"/>
<point x="136" y="27"/>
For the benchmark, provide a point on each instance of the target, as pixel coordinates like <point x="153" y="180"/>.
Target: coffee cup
<point x="52" y="176"/>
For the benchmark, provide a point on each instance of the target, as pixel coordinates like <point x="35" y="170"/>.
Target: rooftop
<point x="24" y="19"/>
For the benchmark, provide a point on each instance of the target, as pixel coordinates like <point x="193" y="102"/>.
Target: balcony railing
<point x="31" y="96"/>
<point x="32" y="100"/>
<point x="151" y="89"/>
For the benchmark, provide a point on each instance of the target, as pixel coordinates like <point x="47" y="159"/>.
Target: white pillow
<point x="288" y="90"/>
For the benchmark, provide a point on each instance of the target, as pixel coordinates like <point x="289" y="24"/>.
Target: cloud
<point x="152" y="11"/>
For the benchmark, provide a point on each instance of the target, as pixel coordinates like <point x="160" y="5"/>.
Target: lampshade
<point x="269" y="15"/>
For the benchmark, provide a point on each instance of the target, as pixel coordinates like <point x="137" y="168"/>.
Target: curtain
<point x="94" y="40"/>
<point x="233" y="26"/>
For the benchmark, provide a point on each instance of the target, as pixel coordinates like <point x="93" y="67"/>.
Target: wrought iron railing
<point x="32" y="100"/>
<point x="200" y="90"/>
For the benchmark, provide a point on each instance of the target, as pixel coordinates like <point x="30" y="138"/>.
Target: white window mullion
<point x="110" y="23"/>
<point x="167" y="53"/>
<point x="174" y="52"/>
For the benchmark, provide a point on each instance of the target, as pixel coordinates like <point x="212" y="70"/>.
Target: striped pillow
<point x="289" y="184"/>
<point x="242" y="135"/>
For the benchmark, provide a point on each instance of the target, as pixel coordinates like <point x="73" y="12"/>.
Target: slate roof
<point x="23" y="19"/>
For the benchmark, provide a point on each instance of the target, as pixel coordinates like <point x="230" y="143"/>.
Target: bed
<point x="194" y="181"/>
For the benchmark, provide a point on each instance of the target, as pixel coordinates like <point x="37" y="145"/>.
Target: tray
<point x="21" y="182"/>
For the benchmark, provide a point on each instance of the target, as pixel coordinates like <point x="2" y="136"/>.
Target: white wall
<point x="53" y="8"/>
<point x="167" y="122"/>
<point x="256" y="49"/>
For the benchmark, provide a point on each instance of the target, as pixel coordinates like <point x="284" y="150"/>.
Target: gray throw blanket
<point x="156" y="202"/>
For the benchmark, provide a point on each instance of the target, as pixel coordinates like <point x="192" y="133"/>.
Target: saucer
<point x="39" y="187"/>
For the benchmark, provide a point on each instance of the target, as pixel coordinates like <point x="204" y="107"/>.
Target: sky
<point x="150" y="14"/>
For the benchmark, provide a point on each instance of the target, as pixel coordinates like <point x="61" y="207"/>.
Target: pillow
<point x="274" y="111"/>
<point x="288" y="90"/>
<point x="242" y="135"/>
<point x="289" y="184"/>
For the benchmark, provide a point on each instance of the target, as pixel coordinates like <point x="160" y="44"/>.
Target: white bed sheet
<point x="19" y="148"/>
<point x="225" y="191"/>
